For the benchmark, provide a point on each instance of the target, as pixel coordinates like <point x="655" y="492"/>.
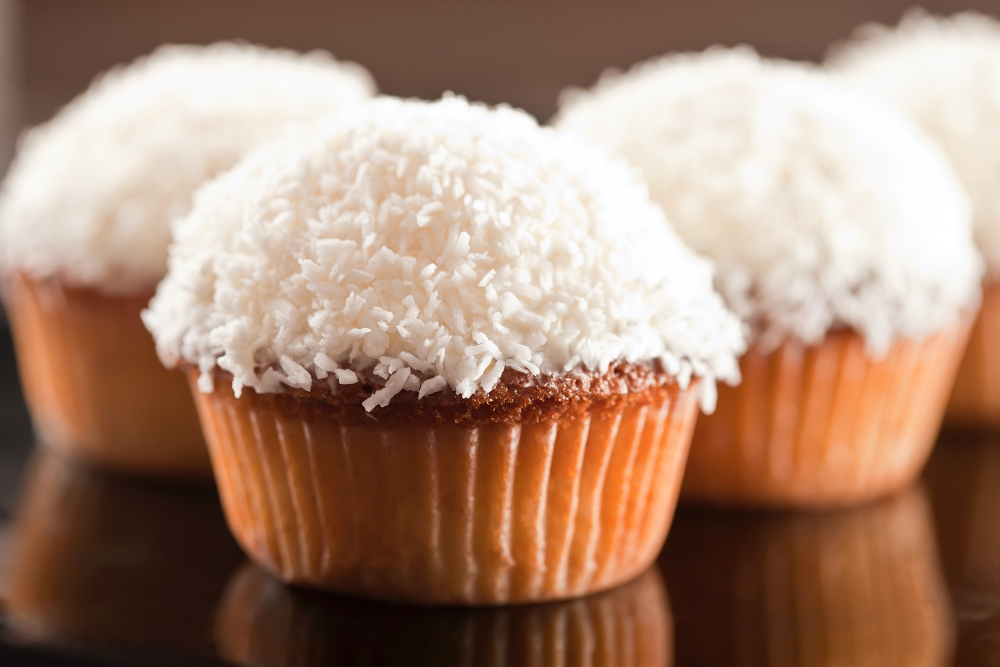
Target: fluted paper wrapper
<point x="824" y="425"/>
<point x="93" y="383"/>
<point x="975" y="399"/>
<point x="449" y="515"/>
<point x="265" y="624"/>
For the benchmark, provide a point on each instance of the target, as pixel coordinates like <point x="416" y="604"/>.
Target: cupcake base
<point x="263" y="623"/>
<point x="449" y="515"/>
<point x="94" y="385"/>
<point x="975" y="399"/>
<point x="824" y="425"/>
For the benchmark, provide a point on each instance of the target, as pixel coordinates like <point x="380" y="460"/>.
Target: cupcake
<point x="262" y="623"/>
<point x="843" y="240"/>
<point x="859" y="586"/>
<point x="442" y="355"/>
<point x="945" y="74"/>
<point x="100" y="560"/>
<point x="85" y="217"/>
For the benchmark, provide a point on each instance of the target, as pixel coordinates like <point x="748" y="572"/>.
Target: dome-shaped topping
<point x="433" y="245"/>
<point x="945" y="74"/>
<point x="821" y="206"/>
<point x="91" y="193"/>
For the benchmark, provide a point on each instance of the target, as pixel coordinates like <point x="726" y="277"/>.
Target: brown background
<point x="522" y="52"/>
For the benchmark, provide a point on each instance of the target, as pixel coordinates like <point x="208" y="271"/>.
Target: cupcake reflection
<point x="98" y="559"/>
<point x="963" y="481"/>
<point x="263" y="623"/>
<point x="860" y="586"/>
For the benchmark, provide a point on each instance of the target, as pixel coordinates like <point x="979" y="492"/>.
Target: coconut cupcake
<point x="945" y="74"/>
<point x="442" y="355"/>
<point x="85" y="217"/>
<point x="842" y="238"/>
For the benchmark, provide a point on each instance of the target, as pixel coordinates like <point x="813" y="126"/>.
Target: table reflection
<point x="102" y="560"/>
<point x="98" y="561"/>
<point x="963" y="479"/>
<point x="262" y="623"/>
<point x="849" y="587"/>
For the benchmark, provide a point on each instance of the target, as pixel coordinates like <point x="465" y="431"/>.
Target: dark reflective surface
<point x="103" y="570"/>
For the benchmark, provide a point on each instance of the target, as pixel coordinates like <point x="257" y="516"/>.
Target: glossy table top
<point x="103" y="570"/>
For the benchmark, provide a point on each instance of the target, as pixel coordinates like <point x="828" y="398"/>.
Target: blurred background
<point x="522" y="52"/>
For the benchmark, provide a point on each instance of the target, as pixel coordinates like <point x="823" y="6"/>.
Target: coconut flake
<point x="550" y="257"/>
<point x="944" y="72"/>
<point x="821" y="205"/>
<point x="91" y="193"/>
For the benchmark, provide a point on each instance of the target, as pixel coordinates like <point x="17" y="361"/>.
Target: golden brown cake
<point x="104" y="560"/>
<point x="265" y="624"/>
<point x="85" y="214"/>
<point x="842" y="237"/>
<point x="442" y="355"/>
<point x="844" y="587"/>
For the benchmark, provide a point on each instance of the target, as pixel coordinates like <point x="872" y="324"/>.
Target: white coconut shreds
<point x="822" y="207"/>
<point x="945" y="73"/>
<point x="433" y="245"/>
<point x="91" y="193"/>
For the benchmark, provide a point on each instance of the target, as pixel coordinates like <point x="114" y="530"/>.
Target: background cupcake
<point x="843" y="239"/>
<point x="442" y="355"/>
<point x="945" y="74"/>
<point x="85" y="222"/>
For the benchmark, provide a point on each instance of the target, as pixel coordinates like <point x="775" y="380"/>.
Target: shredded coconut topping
<point x="91" y="194"/>
<point x="944" y="73"/>
<point x="822" y="207"/>
<point x="433" y="245"/>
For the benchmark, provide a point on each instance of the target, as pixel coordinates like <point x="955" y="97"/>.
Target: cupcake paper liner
<point x="441" y="515"/>
<point x="265" y="624"/>
<point x="94" y="385"/>
<point x="975" y="399"/>
<point x="824" y="425"/>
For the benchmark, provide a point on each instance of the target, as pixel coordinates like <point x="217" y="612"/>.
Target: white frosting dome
<point x="91" y="193"/>
<point x="822" y="206"/>
<point x="433" y="245"/>
<point x="944" y="73"/>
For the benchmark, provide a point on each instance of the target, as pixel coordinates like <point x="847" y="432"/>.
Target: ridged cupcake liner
<point x="848" y="587"/>
<point x="824" y="425"/>
<point x="975" y="399"/>
<point x="265" y="624"/>
<point x="99" y="559"/>
<point x="441" y="515"/>
<point x="94" y="385"/>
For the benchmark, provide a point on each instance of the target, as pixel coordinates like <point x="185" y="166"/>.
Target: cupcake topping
<point x="944" y="73"/>
<point x="821" y="206"/>
<point x="91" y="194"/>
<point x="430" y="247"/>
